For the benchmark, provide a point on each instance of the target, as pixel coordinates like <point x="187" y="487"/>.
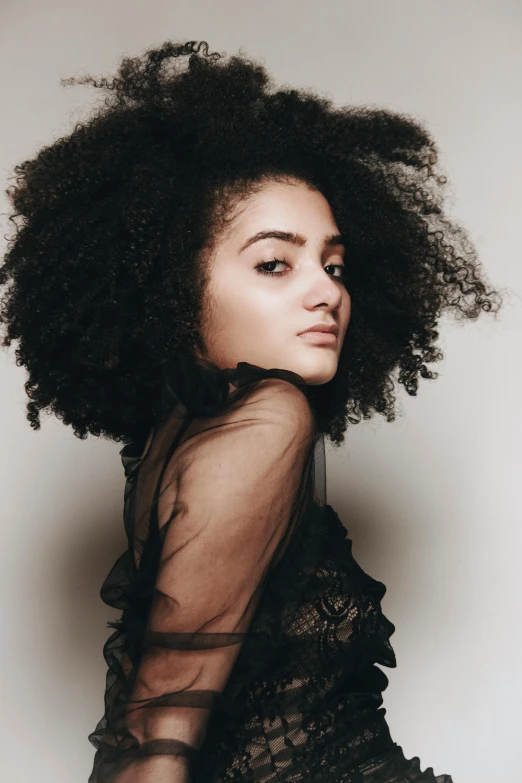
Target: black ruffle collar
<point x="204" y="389"/>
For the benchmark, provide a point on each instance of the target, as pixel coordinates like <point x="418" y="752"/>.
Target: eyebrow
<point x="287" y="236"/>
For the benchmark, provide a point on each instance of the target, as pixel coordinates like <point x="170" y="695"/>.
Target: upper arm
<point x="227" y="504"/>
<point x="227" y="456"/>
<point x="233" y="494"/>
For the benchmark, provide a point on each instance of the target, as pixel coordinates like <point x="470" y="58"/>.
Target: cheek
<point x="262" y="310"/>
<point x="246" y="301"/>
<point x="346" y="308"/>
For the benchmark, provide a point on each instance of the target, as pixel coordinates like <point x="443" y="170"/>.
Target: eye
<point x="340" y="267"/>
<point x="260" y="266"/>
<point x="263" y="271"/>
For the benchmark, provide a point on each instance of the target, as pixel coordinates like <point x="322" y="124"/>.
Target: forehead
<point x="292" y="206"/>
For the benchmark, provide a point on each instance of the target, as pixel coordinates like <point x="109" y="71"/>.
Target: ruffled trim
<point x="203" y="388"/>
<point x="269" y="653"/>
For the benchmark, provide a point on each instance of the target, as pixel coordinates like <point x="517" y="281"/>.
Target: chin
<point x="318" y="380"/>
<point x="318" y="373"/>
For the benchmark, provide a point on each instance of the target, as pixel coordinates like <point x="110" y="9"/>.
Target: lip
<point x="323" y="327"/>
<point x="319" y="338"/>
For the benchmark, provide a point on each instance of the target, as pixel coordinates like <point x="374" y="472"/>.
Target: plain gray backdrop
<point x="431" y="502"/>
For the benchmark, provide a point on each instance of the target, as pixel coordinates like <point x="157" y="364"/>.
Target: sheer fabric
<point x="248" y="635"/>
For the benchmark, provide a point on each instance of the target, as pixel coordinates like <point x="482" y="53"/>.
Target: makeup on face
<point x="277" y="280"/>
<point x="320" y="338"/>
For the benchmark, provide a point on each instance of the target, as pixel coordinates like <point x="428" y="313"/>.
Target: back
<point x="210" y="509"/>
<point x="249" y="636"/>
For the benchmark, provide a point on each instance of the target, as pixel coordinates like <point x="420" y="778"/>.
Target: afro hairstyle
<point x="105" y="268"/>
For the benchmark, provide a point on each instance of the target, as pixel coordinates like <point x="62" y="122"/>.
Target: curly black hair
<point x="107" y="265"/>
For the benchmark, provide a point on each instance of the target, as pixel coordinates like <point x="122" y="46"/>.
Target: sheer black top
<point x="247" y="638"/>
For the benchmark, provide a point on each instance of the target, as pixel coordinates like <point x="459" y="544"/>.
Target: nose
<point x="322" y="289"/>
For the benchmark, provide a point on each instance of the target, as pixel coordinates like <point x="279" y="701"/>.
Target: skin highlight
<point x="254" y="315"/>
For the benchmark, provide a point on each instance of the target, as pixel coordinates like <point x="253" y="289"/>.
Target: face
<point x="264" y="290"/>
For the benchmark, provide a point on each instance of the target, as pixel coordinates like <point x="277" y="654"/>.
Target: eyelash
<point x="283" y="261"/>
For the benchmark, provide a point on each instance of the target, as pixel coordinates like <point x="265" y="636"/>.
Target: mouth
<point x="319" y="338"/>
<point x="330" y="327"/>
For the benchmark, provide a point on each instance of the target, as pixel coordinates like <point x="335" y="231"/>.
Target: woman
<point x="176" y="254"/>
